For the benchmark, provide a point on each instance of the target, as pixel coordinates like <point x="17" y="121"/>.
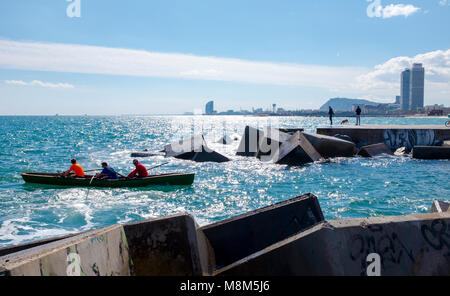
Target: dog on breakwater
<point x="345" y="121"/>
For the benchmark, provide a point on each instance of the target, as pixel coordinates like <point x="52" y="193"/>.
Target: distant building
<point x="397" y="100"/>
<point x="417" y="83"/>
<point x="274" y="108"/>
<point x="209" y="109"/>
<point x="405" y="89"/>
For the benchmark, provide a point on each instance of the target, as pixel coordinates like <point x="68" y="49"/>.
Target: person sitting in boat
<point x="74" y="170"/>
<point x="140" y="170"/>
<point x="107" y="173"/>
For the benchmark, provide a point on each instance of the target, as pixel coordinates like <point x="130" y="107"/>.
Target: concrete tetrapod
<point x="440" y="207"/>
<point x="296" y="151"/>
<point x="374" y="150"/>
<point x="249" y="142"/>
<point x="194" y="149"/>
<point x="431" y="152"/>
<point x="330" y="147"/>
<point x="271" y="142"/>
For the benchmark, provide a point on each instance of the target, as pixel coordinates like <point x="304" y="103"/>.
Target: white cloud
<point x="128" y="62"/>
<point x="39" y="83"/>
<point x="376" y="9"/>
<point x="384" y="80"/>
<point x="444" y="3"/>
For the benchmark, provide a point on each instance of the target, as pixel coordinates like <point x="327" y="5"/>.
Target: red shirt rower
<point x="140" y="170"/>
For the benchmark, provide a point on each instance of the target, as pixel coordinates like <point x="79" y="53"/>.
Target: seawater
<point x="346" y="187"/>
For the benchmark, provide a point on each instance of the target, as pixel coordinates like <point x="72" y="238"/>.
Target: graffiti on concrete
<point x="437" y="235"/>
<point x="395" y="139"/>
<point x="391" y="249"/>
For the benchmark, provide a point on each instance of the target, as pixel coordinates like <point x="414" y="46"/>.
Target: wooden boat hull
<point x="87" y="181"/>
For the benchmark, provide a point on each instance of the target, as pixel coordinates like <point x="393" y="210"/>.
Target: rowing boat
<point x="89" y="181"/>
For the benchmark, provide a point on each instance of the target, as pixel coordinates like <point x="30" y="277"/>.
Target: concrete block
<point x="194" y="149"/>
<point x="291" y="131"/>
<point x="296" y="151"/>
<point x="225" y="140"/>
<point x="329" y="147"/>
<point x="406" y="245"/>
<point x="249" y="142"/>
<point x="169" y="246"/>
<point x="440" y="207"/>
<point x="235" y="238"/>
<point x="431" y="152"/>
<point x="98" y="252"/>
<point x="343" y="137"/>
<point x="374" y="150"/>
<point x="270" y="143"/>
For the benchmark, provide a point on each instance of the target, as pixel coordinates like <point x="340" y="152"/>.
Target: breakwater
<point x="394" y="136"/>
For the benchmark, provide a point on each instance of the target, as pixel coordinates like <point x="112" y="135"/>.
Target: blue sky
<point x="168" y="57"/>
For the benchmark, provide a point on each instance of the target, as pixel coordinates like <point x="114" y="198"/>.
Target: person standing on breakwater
<point x="358" y="116"/>
<point x="331" y="113"/>
<point x="140" y="170"/>
<point x="74" y="170"/>
<point x="107" y="172"/>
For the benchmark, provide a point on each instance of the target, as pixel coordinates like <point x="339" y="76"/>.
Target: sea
<point x="345" y="187"/>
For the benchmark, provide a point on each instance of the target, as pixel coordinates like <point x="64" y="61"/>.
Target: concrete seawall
<point x="394" y="136"/>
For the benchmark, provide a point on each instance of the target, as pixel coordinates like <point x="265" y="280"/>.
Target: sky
<point x="100" y="57"/>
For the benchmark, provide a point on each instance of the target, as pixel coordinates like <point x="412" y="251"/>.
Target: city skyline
<point x="129" y="59"/>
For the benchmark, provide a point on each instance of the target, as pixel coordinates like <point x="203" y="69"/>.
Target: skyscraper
<point x="417" y="83"/>
<point x="209" y="109"/>
<point x="405" y="89"/>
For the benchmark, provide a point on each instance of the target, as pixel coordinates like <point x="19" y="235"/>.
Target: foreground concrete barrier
<point x="431" y="152"/>
<point x="296" y="151"/>
<point x="169" y="246"/>
<point x="98" y="252"/>
<point x="400" y="245"/>
<point x="194" y="149"/>
<point x="374" y="150"/>
<point x="235" y="238"/>
<point x="249" y="142"/>
<point x="329" y="147"/>
<point x="25" y="246"/>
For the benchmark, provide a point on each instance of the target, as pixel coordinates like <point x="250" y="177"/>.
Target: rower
<point x="74" y="170"/>
<point x="107" y="173"/>
<point x="140" y="170"/>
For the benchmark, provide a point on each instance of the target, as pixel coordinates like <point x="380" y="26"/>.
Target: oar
<point x="157" y="166"/>
<point x="93" y="170"/>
